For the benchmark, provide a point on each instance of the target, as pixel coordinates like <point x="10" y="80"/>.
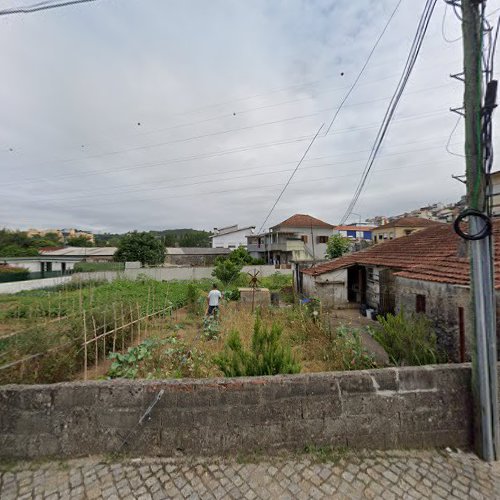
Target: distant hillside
<point x="170" y="238"/>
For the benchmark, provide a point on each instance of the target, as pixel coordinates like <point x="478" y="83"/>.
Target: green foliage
<point x="408" y="339"/>
<point x="267" y="355"/>
<point x="79" y="241"/>
<point x="226" y="270"/>
<point x="158" y="358"/>
<point x="211" y="327"/>
<point x="142" y="247"/>
<point x="10" y="273"/>
<point x="31" y="311"/>
<point x="337" y="246"/>
<point x="276" y="281"/>
<point x="354" y="355"/>
<point x="91" y="267"/>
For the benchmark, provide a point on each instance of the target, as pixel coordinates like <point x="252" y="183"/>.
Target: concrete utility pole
<point x="482" y="310"/>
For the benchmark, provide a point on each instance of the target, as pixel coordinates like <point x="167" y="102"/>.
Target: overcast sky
<point x="152" y="114"/>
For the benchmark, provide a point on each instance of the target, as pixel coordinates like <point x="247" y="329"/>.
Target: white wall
<point x="173" y="273"/>
<point x="19" y="286"/>
<point x="232" y="240"/>
<point x="330" y="288"/>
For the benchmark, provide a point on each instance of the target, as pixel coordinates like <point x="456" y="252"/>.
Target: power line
<point x="246" y="188"/>
<point x="182" y="159"/>
<point x="41" y="6"/>
<point x="291" y="176"/>
<point x="410" y="63"/>
<point x="356" y="80"/>
<point x="222" y="132"/>
<point x="348" y="130"/>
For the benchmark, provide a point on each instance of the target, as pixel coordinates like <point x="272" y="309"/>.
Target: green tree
<point x="79" y="241"/>
<point x="337" y="246"/>
<point x="241" y="256"/>
<point x="226" y="270"/>
<point x="142" y="247"/>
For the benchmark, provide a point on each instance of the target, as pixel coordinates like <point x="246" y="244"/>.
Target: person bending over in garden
<point x="213" y="299"/>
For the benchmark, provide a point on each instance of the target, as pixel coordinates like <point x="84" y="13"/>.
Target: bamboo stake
<point x="123" y="331"/>
<point x="85" y="348"/>
<point x="104" y="338"/>
<point x="59" y="312"/>
<point x="131" y="324"/>
<point x="114" y="334"/>
<point x="96" y="344"/>
<point x="138" y="321"/>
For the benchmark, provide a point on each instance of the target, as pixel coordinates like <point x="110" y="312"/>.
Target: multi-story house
<point x="300" y="237"/>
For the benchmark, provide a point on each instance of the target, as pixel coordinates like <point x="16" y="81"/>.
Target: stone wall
<point x="441" y="306"/>
<point x="378" y="409"/>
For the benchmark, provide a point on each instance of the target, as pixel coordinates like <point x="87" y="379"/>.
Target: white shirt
<point x="213" y="297"/>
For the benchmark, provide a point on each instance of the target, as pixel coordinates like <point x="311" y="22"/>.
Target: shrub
<point x="408" y="339"/>
<point x="226" y="270"/>
<point x="354" y="355"/>
<point x="337" y="246"/>
<point x="267" y="355"/>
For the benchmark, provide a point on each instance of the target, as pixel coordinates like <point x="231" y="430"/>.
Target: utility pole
<point x="482" y="291"/>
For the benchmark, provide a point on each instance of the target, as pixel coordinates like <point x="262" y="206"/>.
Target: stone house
<point x="425" y="272"/>
<point x="298" y="238"/>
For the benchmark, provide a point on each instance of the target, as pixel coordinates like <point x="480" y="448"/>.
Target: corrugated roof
<point x="82" y="251"/>
<point x="197" y="251"/>
<point x="303" y="220"/>
<point x="435" y="254"/>
<point x="409" y="222"/>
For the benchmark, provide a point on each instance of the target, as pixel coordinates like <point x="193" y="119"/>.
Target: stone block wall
<point x="442" y="303"/>
<point x="388" y="408"/>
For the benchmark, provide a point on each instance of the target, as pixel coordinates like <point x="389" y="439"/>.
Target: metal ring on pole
<point x="472" y="212"/>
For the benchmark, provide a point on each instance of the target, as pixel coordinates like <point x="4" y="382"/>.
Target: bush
<point x="226" y="270"/>
<point x="408" y="339"/>
<point x="354" y="355"/>
<point x="267" y="355"/>
<point x="337" y="246"/>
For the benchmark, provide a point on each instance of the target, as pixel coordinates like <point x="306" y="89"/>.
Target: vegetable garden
<point x="52" y="335"/>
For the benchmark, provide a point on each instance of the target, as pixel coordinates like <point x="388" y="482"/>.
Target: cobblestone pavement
<point x="387" y="475"/>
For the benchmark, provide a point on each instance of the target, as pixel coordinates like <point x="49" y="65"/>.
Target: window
<point x="322" y="239"/>
<point x="420" y="304"/>
<point x="304" y="238"/>
<point x="408" y="231"/>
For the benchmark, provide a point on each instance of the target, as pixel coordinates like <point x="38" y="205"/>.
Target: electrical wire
<point x="448" y="150"/>
<point x="360" y="74"/>
<point x="410" y="63"/>
<point x="290" y="178"/>
<point x="41" y="6"/>
<point x="443" y="22"/>
<point x="216" y="177"/>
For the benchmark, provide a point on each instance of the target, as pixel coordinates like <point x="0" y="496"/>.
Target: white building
<point x="231" y="236"/>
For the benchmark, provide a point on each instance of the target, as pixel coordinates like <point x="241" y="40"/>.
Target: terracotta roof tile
<point x="436" y="254"/>
<point x="303" y="220"/>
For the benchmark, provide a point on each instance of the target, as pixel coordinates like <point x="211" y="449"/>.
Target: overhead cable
<point x="418" y="39"/>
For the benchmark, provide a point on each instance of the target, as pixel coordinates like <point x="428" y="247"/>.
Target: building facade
<point x="231" y="236"/>
<point x="298" y="238"/>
